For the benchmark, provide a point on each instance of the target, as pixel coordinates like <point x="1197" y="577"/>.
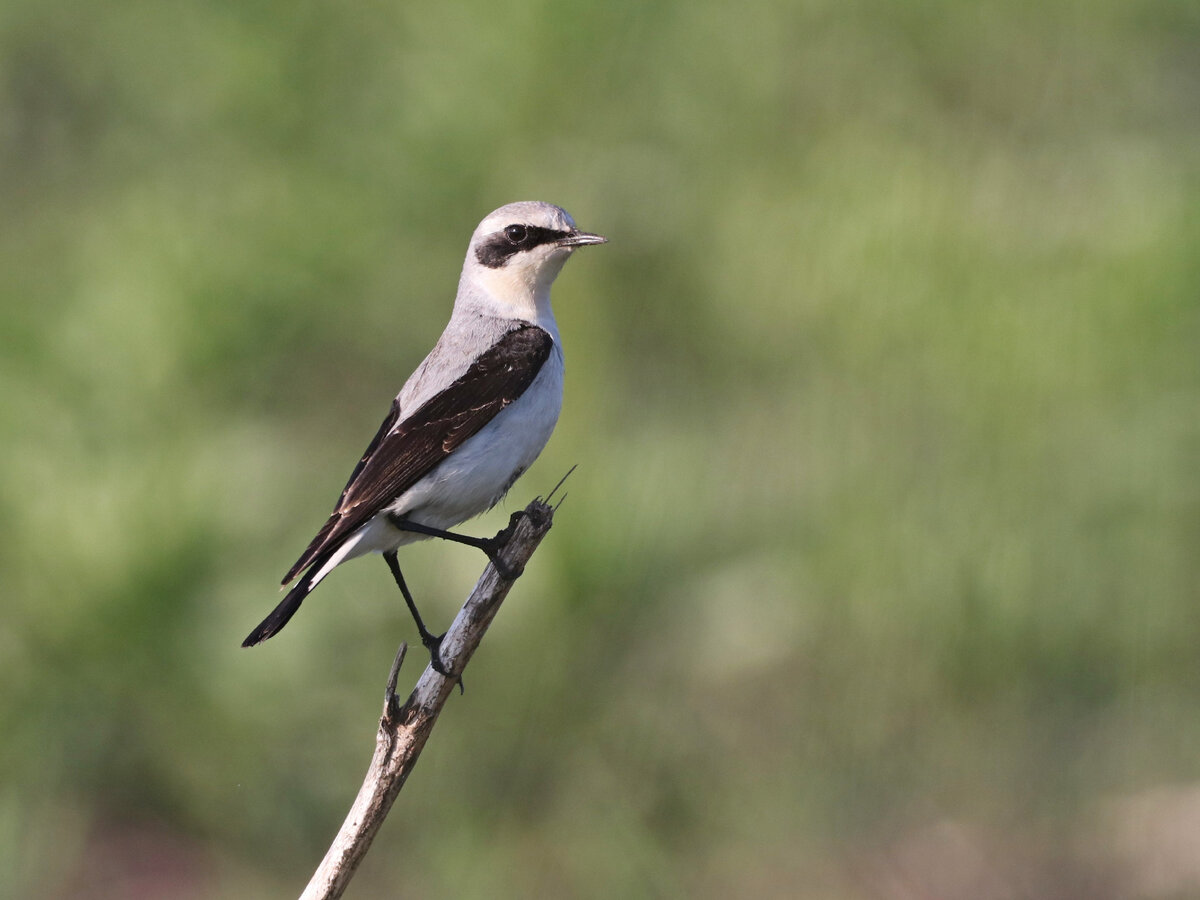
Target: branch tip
<point x="550" y="496"/>
<point x="389" y="697"/>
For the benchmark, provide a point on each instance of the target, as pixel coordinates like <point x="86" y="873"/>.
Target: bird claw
<point x="505" y="571"/>
<point x="433" y="643"/>
<point x="493" y="546"/>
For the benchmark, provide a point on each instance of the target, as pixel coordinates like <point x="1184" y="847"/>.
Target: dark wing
<point x="401" y="456"/>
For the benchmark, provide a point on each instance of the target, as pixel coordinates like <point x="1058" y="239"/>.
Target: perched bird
<point x="472" y="417"/>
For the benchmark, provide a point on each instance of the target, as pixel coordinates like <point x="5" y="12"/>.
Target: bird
<point x="471" y="418"/>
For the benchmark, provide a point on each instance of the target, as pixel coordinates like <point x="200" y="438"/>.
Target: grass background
<point x="878" y="576"/>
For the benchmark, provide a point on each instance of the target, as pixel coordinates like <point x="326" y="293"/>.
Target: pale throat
<point x="526" y="292"/>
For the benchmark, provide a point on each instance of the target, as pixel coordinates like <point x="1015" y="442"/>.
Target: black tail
<point x="282" y="613"/>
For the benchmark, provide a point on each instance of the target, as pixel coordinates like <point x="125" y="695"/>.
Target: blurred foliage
<point x="882" y="552"/>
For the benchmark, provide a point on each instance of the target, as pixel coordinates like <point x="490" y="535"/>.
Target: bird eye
<point x="516" y="233"/>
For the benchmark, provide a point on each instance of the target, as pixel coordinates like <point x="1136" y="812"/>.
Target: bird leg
<point x="490" y="546"/>
<point x="432" y="642"/>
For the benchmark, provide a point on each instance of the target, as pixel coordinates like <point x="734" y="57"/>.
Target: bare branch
<point x="404" y="730"/>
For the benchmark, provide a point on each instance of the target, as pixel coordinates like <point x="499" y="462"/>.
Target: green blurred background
<point x="878" y="575"/>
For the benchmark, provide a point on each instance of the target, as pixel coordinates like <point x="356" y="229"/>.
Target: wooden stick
<point x="403" y="730"/>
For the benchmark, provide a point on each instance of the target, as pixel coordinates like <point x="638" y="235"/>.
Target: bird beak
<point x="581" y="239"/>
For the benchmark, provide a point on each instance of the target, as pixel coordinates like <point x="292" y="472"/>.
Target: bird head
<point x="517" y="251"/>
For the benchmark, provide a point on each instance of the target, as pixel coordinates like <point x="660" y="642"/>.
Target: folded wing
<point x="406" y="450"/>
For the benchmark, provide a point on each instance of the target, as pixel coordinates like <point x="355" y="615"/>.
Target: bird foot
<point x="494" y="545"/>
<point x="433" y="643"/>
